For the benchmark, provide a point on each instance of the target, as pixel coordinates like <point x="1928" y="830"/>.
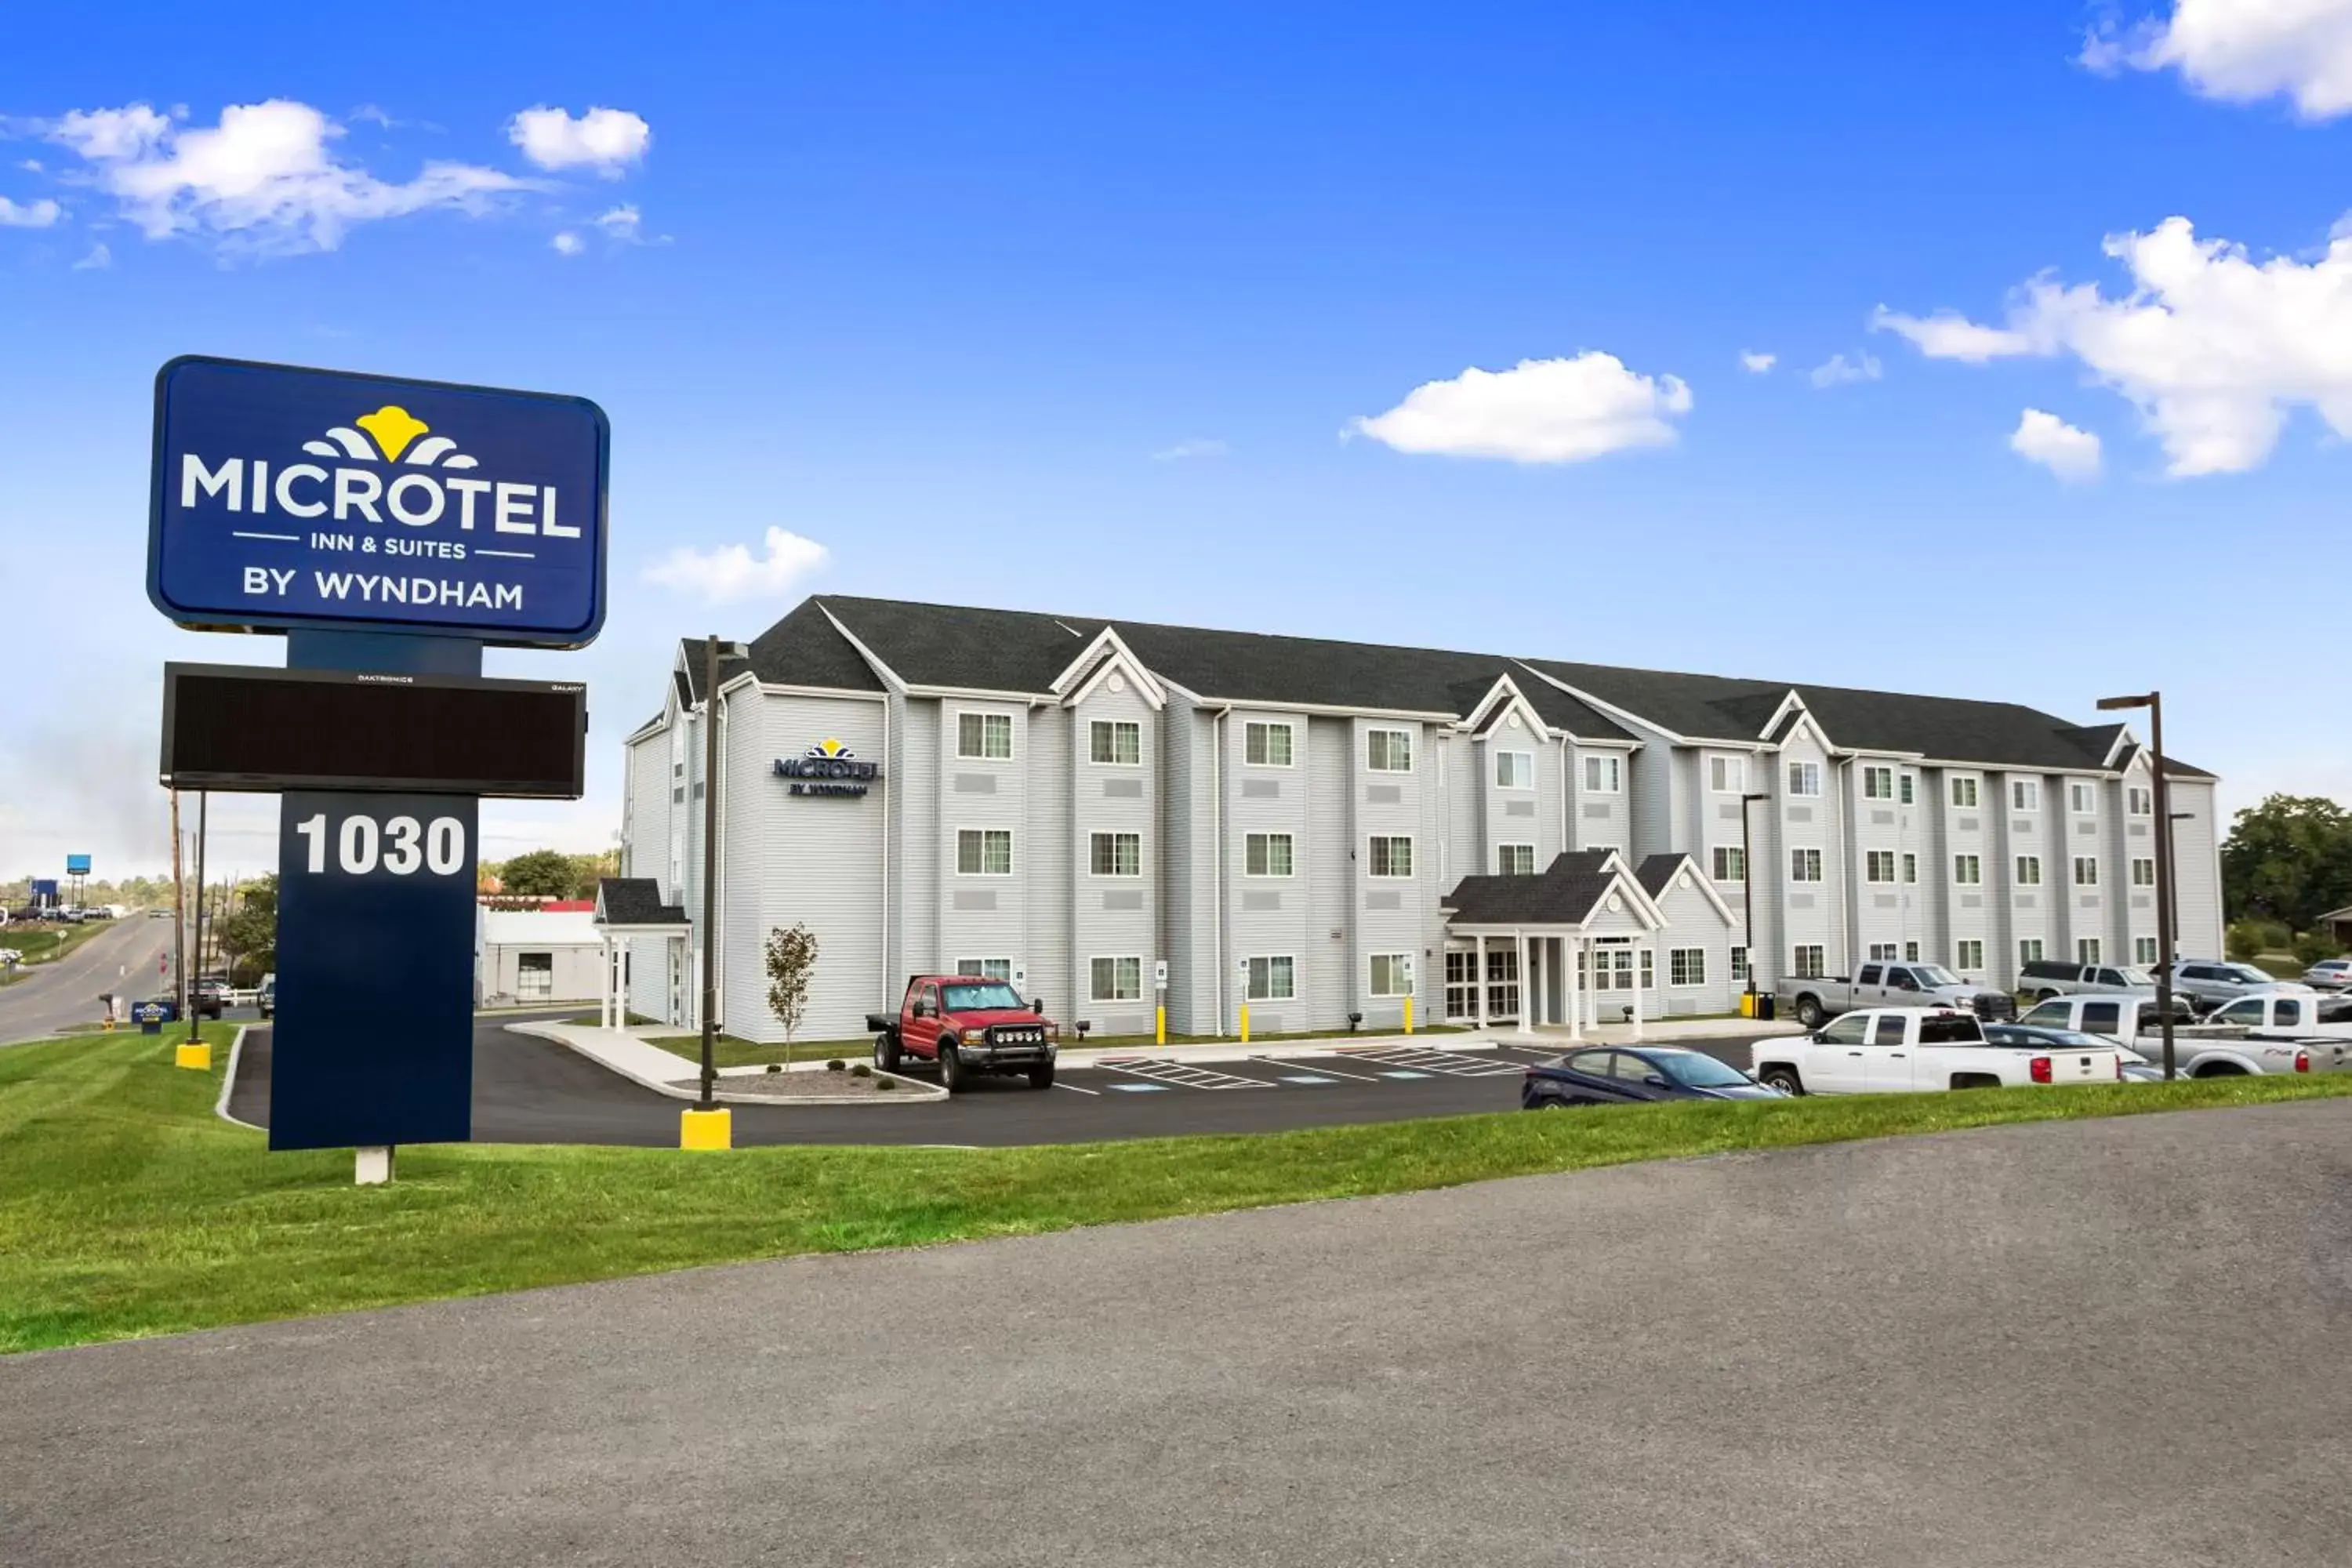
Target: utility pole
<point x="188" y="1004"/>
<point x="1747" y="894"/>
<point x="2154" y="702"/>
<point x="709" y="859"/>
<point x="179" y="914"/>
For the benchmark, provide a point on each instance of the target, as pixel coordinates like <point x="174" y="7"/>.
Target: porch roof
<point x="1564" y="896"/>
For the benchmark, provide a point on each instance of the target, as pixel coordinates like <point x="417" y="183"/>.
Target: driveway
<point x="2106" y="1343"/>
<point x="121" y="958"/>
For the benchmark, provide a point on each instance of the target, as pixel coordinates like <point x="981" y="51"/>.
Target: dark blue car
<point x="1635" y="1075"/>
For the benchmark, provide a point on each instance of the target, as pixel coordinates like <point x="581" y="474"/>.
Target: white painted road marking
<point x="1182" y="1075"/>
<point x="1074" y="1089"/>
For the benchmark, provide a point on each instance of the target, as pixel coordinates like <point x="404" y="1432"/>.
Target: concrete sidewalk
<point x="622" y="1051"/>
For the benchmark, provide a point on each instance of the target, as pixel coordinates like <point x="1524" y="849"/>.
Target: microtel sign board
<point x="828" y="768"/>
<point x="286" y="497"/>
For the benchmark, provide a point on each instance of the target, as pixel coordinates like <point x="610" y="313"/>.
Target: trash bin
<point x="1764" y="1004"/>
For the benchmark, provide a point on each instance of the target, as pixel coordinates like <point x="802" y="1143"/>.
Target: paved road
<point x="120" y="959"/>
<point x="529" y="1090"/>
<point x="2106" y="1345"/>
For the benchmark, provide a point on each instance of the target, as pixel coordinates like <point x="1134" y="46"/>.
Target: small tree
<point x="541" y="873"/>
<point x="249" y="932"/>
<point x="791" y="962"/>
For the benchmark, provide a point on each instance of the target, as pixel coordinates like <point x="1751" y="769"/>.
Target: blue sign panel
<point x="77" y="865"/>
<point x="287" y="498"/>
<point x="373" y="1040"/>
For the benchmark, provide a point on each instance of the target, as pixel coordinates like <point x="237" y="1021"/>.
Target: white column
<point x="1478" y="956"/>
<point x="1527" y="978"/>
<point x="604" y="991"/>
<point x="1575" y="991"/>
<point x="1637" y="987"/>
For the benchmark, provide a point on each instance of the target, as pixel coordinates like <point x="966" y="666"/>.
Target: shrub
<point x="886" y="1083"/>
<point x="861" y="1070"/>
<point x="836" y="1065"/>
<point x="2248" y="939"/>
<point x="775" y="1066"/>
<point x="2314" y="945"/>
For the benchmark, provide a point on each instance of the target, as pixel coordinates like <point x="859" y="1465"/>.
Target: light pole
<point x="2154" y="702"/>
<point x="1747" y="895"/>
<point x="712" y="649"/>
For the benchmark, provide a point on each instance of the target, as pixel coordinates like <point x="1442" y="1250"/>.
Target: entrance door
<point x="1502" y="983"/>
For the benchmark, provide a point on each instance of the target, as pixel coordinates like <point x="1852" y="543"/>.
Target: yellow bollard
<point x="712" y="1129"/>
<point x="1159" y="1025"/>
<point x="192" y="1053"/>
<point x="1245" y="1023"/>
<point x="1408" y="1014"/>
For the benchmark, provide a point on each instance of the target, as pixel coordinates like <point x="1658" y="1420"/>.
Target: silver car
<point x="2329" y="974"/>
<point x="2044" y="978"/>
<point x="2208" y="982"/>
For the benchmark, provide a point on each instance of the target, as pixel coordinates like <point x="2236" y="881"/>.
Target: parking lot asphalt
<point x="530" y="1090"/>
<point x="2100" y="1344"/>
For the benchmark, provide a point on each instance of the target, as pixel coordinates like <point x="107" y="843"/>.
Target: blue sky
<point x="1065" y="307"/>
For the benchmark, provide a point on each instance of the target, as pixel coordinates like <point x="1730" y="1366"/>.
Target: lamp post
<point x="1747" y="894"/>
<point x="2154" y="702"/>
<point x="712" y="650"/>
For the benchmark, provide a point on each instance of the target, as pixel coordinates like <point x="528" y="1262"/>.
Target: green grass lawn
<point x="44" y="946"/>
<point x="128" y="1208"/>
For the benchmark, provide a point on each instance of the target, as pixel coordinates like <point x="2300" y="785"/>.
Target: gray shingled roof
<point x="1563" y="893"/>
<point x="635" y="901"/>
<point x="1023" y="651"/>
<point x="1656" y="871"/>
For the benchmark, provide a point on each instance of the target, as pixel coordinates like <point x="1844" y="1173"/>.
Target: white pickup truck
<point x="2272" y="1031"/>
<point x="1888" y="1051"/>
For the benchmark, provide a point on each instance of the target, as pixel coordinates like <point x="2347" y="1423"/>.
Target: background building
<point x="1286" y="822"/>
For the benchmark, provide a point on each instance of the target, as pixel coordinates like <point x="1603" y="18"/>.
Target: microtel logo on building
<point x="828" y="768"/>
<point x="287" y="497"/>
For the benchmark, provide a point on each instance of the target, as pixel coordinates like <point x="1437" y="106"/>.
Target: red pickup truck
<point x="969" y="1025"/>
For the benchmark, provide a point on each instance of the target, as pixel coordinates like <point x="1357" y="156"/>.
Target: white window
<point x="1118" y="742"/>
<point x="2143" y="950"/>
<point x="1266" y="745"/>
<point x="1878" y="784"/>
<point x="1517" y="770"/>
<point x="1806" y="962"/>
<point x="534" y="976"/>
<point x="1392" y="974"/>
<point x="1964" y="794"/>
<point x="2086" y="870"/>
<point x="1388" y="751"/>
<point x="2086" y="950"/>
<point x="1117" y="979"/>
<point x="1391" y="856"/>
<point x="1604" y="775"/>
<point x="1970" y="953"/>
<point x="1649" y="969"/>
<point x="1804" y="778"/>
<point x="985" y="736"/>
<point x="1882" y="952"/>
<point x="2025" y="794"/>
<point x="984" y="852"/>
<point x="1726" y="775"/>
<point x="1739" y="966"/>
<point x="1462" y="983"/>
<point x="2029" y="950"/>
<point x="1115" y="854"/>
<point x="1515" y="859"/>
<point x="2140" y="801"/>
<point x="1968" y="870"/>
<point x="1910" y="788"/>
<point x="1804" y="864"/>
<point x="1266" y="855"/>
<point x="1910" y="867"/>
<point x="2082" y="799"/>
<point x="1272" y="979"/>
<point x="2143" y="872"/>
<point x="1730" y="863"/>
<point x="986" y="968"/>
<point x="1878" y="866"/>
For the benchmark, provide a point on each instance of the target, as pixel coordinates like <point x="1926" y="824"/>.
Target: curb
<point x="229" y="1082"/>
<point x="923" y="1092"/>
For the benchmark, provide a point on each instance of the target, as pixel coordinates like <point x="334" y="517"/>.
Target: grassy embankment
<point x="128" y="1208"/>
<point x="45" y="944"/>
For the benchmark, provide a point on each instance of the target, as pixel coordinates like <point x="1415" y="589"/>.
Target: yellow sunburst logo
<point x="829" y="748"/>
<point x="390" y="430"/>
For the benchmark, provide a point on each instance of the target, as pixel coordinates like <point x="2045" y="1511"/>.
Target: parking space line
<point x="1182" y="1075"/>
<point x="1141" y="1087"/>
<point x="1074" y="1089"/>
<point x="1305" y="1078"/>
<point x="1456" y="1064"/>
<point x="1315" y="1067"/>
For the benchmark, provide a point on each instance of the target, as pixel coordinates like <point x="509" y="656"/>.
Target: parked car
<point x="211" y="997"/>
<point x="1600" y="1074"/>
<point x="2329" y="974"/>
<point x="2287" y="1013"/>
<point x="1815" y="1001"/>
<point x="968" y="1025"/>
<point x="2198" y="1050"/>
<point x="2044" y="978"/>
<point x="1895" y="1049"/>
<point x="2209" y="981"/>
<point x="266" y="998"/>
<point x="159" y="914"/>
<point x="2136" y="1068"/>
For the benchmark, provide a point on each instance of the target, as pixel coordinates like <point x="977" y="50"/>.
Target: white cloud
<point x="1539" y="411"/>
<point x="2243" y="50"/>
<point x="2071" y="454"/>
<point x="30" y="166"/>
<point x="1194" y="449"/>
<point x="1838" y="370"/>
<point x="263" y="179"/>
<point x="622" y="222"/>
<point x="567" y="244"/>
<point x="1948" y="336"/>
<point x="2211" y="346"/>
<point x="604" y="139"/>
<point x="29" y="214"/>
<point x="1756" y="364"/>
<point x="731" y="571"/>
<point x="97" y="260"/>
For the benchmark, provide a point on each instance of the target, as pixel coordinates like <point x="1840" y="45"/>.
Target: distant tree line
<point x="2286" y="862"/>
